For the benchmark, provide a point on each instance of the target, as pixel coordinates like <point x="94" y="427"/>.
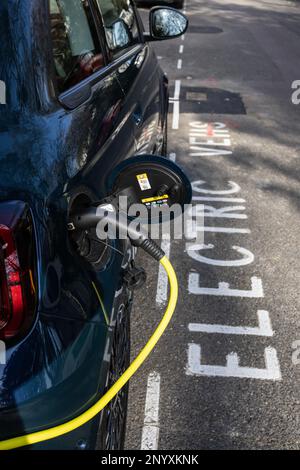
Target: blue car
<point x="80" y="91"/>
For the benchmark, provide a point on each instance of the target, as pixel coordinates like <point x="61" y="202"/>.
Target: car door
<point x="138" y="72"/>
<point x="98" y="135"/>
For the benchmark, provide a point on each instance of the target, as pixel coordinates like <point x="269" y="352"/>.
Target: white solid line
<point x="162" y="281"/>
<point x="179" y="64"/>
<point x="175" y="122"/>
<point x="172" y="157"/>
<point x="150" y="433"/>
<point x="181" y="49"/>
<point x="177" y="90"/>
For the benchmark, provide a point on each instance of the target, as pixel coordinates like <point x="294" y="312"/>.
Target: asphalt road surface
<point x="226" y="375"/>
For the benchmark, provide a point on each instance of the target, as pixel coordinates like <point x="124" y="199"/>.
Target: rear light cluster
<point x="17" y="269"/>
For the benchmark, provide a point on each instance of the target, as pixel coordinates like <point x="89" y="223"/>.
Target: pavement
<point x="226" y="375"/>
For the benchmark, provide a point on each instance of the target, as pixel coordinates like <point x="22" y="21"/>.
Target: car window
<point x="76" y="49"/>
<point x="120" y="24"/>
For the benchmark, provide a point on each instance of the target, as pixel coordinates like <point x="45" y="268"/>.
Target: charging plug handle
<point x="90" y="217"/>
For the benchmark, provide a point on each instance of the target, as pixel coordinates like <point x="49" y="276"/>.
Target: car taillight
<point x="17" y="269"/>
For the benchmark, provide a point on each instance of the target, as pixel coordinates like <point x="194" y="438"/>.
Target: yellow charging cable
<point x="75" y="423"/>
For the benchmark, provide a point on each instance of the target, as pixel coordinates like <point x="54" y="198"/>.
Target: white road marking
<point x="182" y="37"/>
<point x="176" y="90"/>
<point x="192" y="229"/>
<point x="227" y="212"/>
<point x="226" y="230"/>
<point x="150" y="435"/>
<point x="193" y="250"/>
<point x="179" y="64"/>
<point x="181" y="47"/>
<point x="175" y="121"/>
<point x="234" y="188"/>
<point x="162" y="281"/>
<point x="223" y="289"/>
<point x="172" y="157"/>
<point x="232" y="368"/>
<point x="264" y="327"/>
<point x="175" y="101"/>
<point x="205" y="138"/>
<point x="219" y="199"/>
<point x="208" y="152"/>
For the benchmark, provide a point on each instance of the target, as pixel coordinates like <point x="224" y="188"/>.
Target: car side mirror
<point x="166" y="23"/>
<point x="152" y="181"/>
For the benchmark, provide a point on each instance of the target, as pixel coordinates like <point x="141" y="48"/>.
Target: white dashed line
<point x="150" y="434"/>
<point x="179" y="64"/>
<point x="172" y="157"/>
<point x="181" y="47"/>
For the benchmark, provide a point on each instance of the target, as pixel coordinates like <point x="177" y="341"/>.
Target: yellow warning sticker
<point x="155" y="198"/>
<point x="143" y="181"/>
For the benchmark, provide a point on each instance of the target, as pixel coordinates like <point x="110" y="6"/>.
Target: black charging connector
<point x="89" y="218"/>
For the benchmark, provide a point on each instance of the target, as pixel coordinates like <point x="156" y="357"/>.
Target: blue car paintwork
<point x="51" y="150"/>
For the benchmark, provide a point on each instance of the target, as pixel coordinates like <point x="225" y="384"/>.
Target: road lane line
<point x="175" y="121"/>
<point x="179" y="64"/>
<point x="172" y="157"/>
<point x="175" y="101"/>
<point x="162" y="281"/>
<point x="177" y="90"/>
<point x="150" y="435"/>
<point x="181" y="49"/>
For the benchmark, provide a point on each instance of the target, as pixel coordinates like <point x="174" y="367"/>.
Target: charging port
<point x="85" y="242"/>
